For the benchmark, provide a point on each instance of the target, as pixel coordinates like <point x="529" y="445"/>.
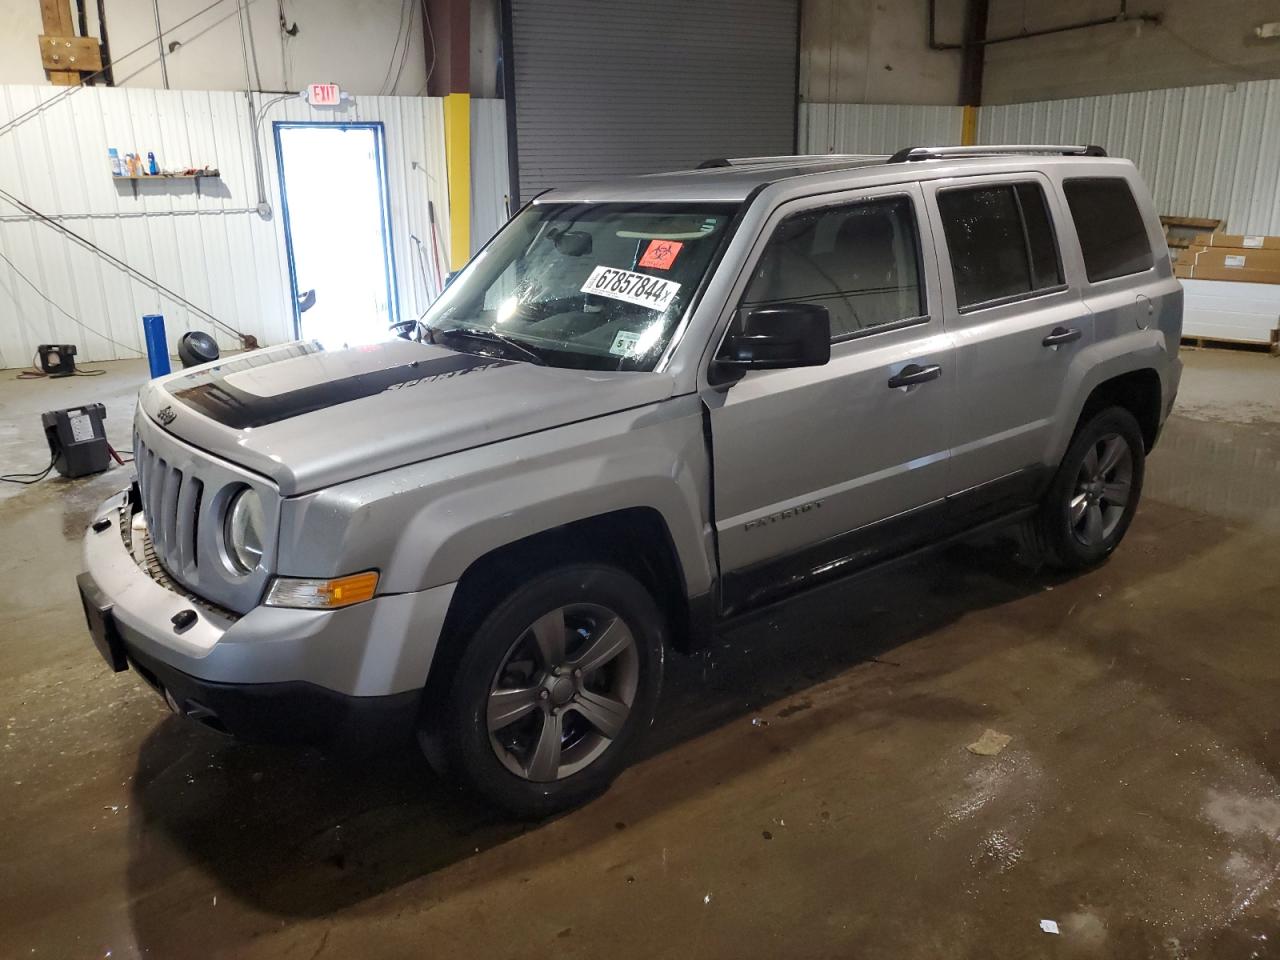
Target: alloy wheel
<point x="1102" y="490"/>
<point x="563" y="692"/>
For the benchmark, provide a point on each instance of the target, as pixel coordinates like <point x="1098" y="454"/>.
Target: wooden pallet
<point x="1200" y="343"/>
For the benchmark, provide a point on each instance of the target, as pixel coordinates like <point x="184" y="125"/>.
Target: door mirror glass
<point x="777" y="336"/>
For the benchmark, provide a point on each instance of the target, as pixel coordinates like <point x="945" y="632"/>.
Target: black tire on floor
<point x="1067" y="543"/>
<point x="455" y="733"/>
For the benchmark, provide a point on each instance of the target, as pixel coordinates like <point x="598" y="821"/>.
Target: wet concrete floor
<point x="806" y="793"/>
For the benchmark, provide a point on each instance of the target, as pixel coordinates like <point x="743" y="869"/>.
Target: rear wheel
<point x="551" y="690"/>
<point x="1095" y="492"/>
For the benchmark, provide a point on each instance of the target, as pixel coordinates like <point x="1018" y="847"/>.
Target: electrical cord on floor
<point x="26" y="479"/>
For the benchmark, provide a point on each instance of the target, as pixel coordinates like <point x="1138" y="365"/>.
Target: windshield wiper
<point x="492" y="336"/>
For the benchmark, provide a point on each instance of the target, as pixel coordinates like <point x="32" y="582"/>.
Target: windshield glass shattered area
<point x="594" y="286"/>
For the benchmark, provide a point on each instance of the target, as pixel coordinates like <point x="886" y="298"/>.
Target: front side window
<point x="1001" y="243"/>
<point x="1113" y="237"/>
<point x="597" y="286"/>
<point x="861" y="261"/>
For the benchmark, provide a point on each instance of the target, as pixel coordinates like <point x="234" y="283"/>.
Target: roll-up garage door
<point x="606" y="88"/>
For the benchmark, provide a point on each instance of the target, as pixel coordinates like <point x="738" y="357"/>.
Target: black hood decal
<point x="209" y="392"/>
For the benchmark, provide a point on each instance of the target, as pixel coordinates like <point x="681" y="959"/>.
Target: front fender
<point x="423" y="524"/>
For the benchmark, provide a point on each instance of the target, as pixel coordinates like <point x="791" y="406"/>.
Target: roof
<point x="728" y="181"/>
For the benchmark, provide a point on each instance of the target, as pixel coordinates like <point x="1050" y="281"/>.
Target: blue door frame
<point x="384" y="194"/>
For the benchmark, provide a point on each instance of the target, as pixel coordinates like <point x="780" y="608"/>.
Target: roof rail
<point x="907" y="154"/>
<point x="797" y="159"/>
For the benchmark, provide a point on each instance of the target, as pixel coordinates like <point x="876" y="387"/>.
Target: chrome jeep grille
<point x="171" y="503"/>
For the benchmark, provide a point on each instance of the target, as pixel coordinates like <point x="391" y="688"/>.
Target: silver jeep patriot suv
<point x="645" y="408"/>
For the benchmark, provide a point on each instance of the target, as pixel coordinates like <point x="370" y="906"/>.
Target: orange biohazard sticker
<point x="660" y="254"/>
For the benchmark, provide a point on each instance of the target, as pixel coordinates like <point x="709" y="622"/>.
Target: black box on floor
<point x="77" y="439"/>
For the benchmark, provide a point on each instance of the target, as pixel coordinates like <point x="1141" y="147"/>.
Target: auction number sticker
<point x="652" y="292"/>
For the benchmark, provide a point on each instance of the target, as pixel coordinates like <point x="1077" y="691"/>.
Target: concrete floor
<point x="807" y="792"/>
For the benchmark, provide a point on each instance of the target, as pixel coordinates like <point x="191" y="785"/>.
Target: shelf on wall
<point x="197" y="177"/>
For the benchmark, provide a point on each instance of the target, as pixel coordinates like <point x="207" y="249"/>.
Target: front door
<point x="819" y="469"/>
<point x="333" y="182"/>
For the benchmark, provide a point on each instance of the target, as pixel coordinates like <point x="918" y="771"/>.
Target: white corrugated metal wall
<point x="875" y="127"/>
<point x="1210" y="151"/>
<point x="490" y="181"/>
<point x="213" y="249"/>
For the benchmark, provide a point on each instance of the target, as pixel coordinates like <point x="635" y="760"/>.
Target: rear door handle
<point x="913" y="373"/>
<point x="1060" y="335"/>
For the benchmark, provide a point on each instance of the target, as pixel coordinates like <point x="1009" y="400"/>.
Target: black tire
<point x="456" y="735"/>
<point x="1075" y="542"/>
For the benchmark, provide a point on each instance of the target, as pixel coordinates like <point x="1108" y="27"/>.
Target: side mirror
<point x="778" y="336"/>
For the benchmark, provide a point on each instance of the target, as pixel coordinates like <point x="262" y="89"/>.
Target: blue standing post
<point x="157" y="344"/>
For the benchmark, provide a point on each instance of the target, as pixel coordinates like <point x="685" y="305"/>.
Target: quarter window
<point x="1001" y="242"/>
<point x="1113" y="236"/>
<point x="861" y="261"/>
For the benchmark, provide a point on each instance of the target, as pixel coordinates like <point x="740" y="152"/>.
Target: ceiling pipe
<point x="1123" y="16"/>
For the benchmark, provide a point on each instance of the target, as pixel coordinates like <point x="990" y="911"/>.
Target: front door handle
<point x="1060" y="335"/>
<point x="913" y="373"/>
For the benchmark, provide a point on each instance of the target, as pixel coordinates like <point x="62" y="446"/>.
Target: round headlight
<point x="244" y="531"/>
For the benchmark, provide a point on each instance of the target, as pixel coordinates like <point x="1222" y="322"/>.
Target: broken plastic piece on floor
<point x="1049" y="926"/>
<point x="989" y="744"/>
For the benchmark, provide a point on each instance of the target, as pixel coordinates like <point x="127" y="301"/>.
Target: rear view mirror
<point x="573" y="243"/>
<point x="778" y="336"/>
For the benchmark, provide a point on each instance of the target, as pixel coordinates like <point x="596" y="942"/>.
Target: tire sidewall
<point x="457" y="730"/>
<point x="1059" y="535"/>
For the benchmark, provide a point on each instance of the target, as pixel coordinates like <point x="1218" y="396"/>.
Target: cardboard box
<point x="1232" y="263"/>
<point x="1238" y="240"/>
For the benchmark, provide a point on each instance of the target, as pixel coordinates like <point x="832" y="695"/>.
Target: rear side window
<point x="1001" y="242"/>
<point x="1113" y="237"/>
<point x="861" y="261"/>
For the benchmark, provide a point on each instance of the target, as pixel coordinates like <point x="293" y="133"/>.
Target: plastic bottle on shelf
<point x="153" y="168"/>
<point x="117" y="168"/>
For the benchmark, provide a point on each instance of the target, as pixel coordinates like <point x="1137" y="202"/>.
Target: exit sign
<point x="324" y="94"/>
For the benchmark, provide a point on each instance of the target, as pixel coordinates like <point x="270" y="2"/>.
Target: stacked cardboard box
<point x="1230" y="256"/>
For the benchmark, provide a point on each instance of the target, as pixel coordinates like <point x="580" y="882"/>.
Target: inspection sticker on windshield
<point x="652" y="292"/>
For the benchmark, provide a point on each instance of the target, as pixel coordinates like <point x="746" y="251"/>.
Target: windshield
<point x="600" y="286"/>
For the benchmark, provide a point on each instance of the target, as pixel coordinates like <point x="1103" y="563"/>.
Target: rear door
<point x="1018" y="324"/>
<point x="821" y="469"/>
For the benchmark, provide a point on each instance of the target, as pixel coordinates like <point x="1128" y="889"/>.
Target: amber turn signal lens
<point x="322" y="594"/>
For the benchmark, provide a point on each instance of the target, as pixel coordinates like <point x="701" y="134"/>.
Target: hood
<point x="308" y="418"/>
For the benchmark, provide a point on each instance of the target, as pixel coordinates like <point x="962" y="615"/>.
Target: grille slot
<point x="170" y="502"/>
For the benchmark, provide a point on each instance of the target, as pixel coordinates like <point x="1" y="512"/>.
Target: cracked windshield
<point x="593" y="286"/>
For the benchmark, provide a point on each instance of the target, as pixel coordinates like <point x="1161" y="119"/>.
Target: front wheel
<point x="551" y="690"/>
<point x="1095" y="492"/>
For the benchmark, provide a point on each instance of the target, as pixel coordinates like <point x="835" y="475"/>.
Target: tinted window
<point x="1113" y="237"/>
<point x="860" y="261"/>
<point x="1000" y="240"/>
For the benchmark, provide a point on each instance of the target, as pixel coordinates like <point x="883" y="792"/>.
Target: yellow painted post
<point x="457" y="155"/>
<point x="969" y="127"/>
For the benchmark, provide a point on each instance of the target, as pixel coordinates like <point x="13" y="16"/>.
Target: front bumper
<point x="273" y="673"/>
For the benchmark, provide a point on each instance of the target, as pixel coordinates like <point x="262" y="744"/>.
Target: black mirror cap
<point x="779" y="336"/>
